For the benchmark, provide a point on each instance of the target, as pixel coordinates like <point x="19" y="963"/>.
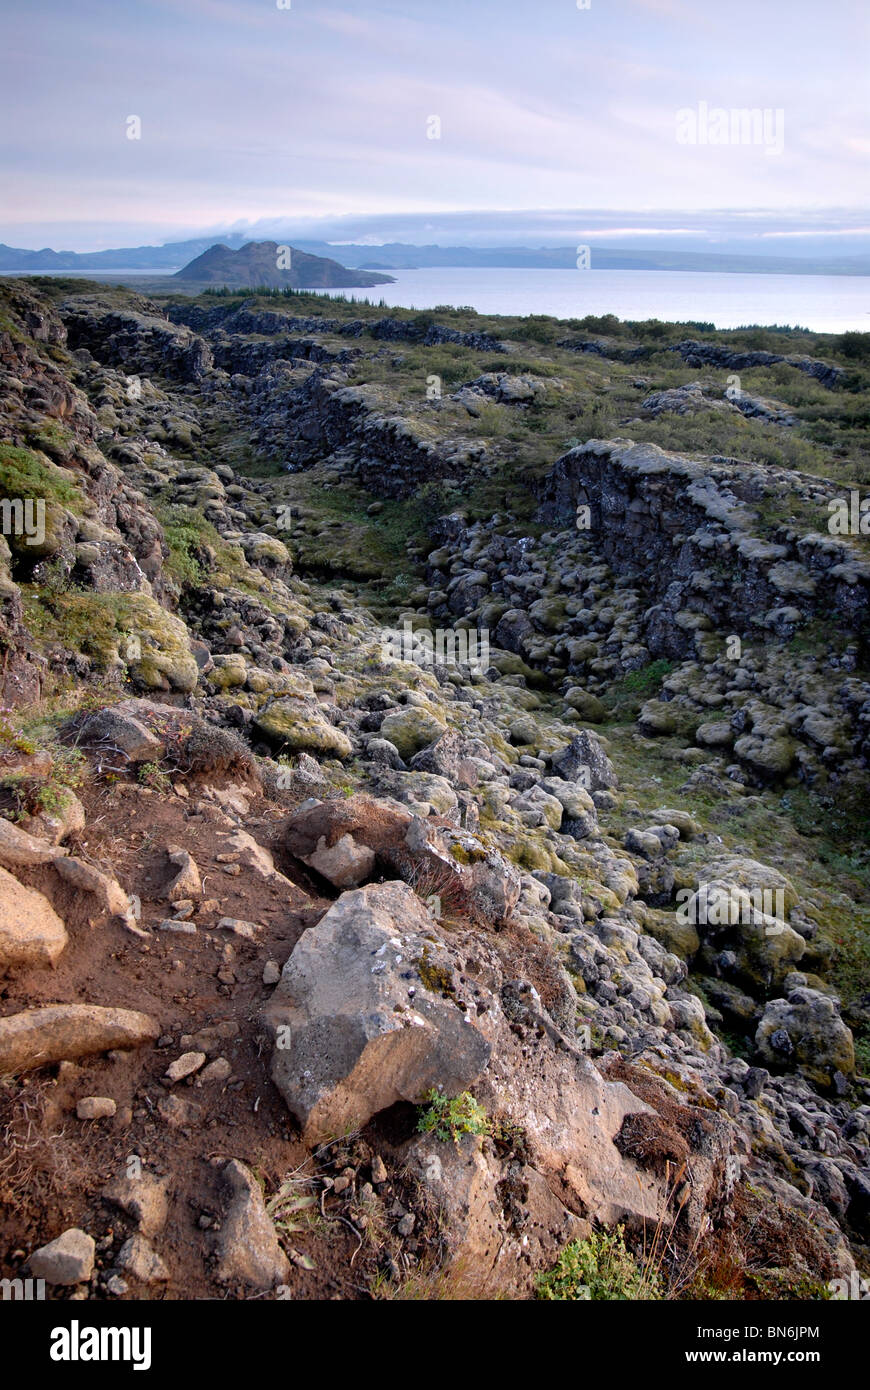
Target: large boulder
<point x="500" y="1221"/>
<point x="290" y="722"/>
<point x="411" y="729"/>
<point x="805" y="1033"/>
<point x="19" y="850"/>
<point x="31" y="933"/>
<point x="584" y="760"/>
<point x="122" y="729"/>
<point x="738" y="909"/>
<point x="365" y="1014"/>
<point x="342" y="840"/>
<point x="454" y="757"/>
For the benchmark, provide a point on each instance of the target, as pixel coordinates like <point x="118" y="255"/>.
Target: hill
<point x="266" y="263"/>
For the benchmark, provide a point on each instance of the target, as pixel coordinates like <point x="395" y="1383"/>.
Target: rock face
<point x="356" y="1027"/>
<point x="36" y="1037"/>
<point x="31" y="933"/>
<point x="641" y="498"/>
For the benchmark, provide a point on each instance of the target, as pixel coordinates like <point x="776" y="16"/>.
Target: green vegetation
<point x="625" y="697"/>
<point x="451" y="1118"/>
<point x="600" y="1268"/>
<point x="24" y="474"/>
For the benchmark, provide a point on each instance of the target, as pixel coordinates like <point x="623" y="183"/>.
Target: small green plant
<point x="150" y="775"/>
<point x="448" y="1118"/>
<point x="600" y="1268"/>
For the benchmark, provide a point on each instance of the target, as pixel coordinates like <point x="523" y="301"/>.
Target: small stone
<point x="185" y="1065"/>
<point x="238" y="927"/>
<point x="186" y="883"/>
<point x="271" y="972"/>
<point x="96" y="1108"/>
<point x="171" y="924"/>
<point x="379" y="1170"/>
<point x="145" y="1199"/>
<point x="116" y="1286"/>
<point x="174" y="1111"/>
<point x="218" y="1070"/>
<point x="142" y="1262"/>
<point x="67" y="1260"/>
<point x="406" y="1225"/>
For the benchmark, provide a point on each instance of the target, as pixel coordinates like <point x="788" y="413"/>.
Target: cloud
<point x="249" y="111"/>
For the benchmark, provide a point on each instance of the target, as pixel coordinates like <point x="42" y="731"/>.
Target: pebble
<point x="185" y="1065"/>
<point x="96" y="1108"/>
<point x="239" y="927"/>
<point x="218" y="1070"/>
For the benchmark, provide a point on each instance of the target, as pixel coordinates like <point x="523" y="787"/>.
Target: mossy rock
<point x="587" y="706"/>
<point x="229" y="672"/>
<point x="681" y="938"/>
<point x="289" y="722"/>
<point x="411" y="729"/>
<point x="159" y="655"/>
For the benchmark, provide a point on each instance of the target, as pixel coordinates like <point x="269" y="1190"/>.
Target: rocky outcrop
<point x="466" y="902"/>
<point x="674" y="519"/>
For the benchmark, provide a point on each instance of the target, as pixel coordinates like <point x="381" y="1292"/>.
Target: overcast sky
<point x="320" y="111"/>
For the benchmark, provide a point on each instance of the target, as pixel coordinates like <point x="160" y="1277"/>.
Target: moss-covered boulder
<point x="805" y="1033"/>
<point x="290" y="722"/>
<point x="411" y="729"/>
<point x="586" y="705"/>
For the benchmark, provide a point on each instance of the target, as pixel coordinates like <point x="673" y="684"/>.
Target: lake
<point x="825" y="303"/>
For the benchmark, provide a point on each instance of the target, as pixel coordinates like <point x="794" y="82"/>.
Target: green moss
<point x="435" y="977"/>
<point x="24" y="473"/>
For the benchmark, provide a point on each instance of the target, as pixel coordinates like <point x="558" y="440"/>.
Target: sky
<point x="321" y="115"/>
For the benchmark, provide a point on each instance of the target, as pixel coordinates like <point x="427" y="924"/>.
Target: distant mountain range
<point x="376" y="260"/>
<point x="276" y="266"/>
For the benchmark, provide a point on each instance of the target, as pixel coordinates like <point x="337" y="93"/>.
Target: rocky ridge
<point x="399" y="878"/>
